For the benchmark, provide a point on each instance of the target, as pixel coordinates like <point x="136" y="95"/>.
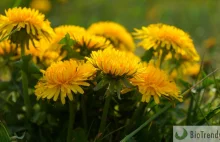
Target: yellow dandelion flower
<point x="115" y="32"/>
<point x="154" y="82"/>
<point x="162" y="37"/>
<point x="210" y="43"/>
<point x="186" y="69"/>
<point x="64" y="79"/>
<point x="71" y="29"/>
<point x="6" y="47"/>
<point x="42" y="53"/>
<point x="191" y="69"/>
<point x="89" y="41"/>
<point x="30" y="24"/>
<point x="114" y="62"/>
<point x="41" y="5"/>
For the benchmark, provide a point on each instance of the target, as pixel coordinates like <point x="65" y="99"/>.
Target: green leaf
<point x="101" y="84"/>
<point x="4" y="136"/>
<point x="72" y="53"/>
<point x="67" y="40"/>
<point x="79" y="135"/>
<point x="209" y="116"/>
<point x="207" y="82"/>
<point x="148" y="55"/>
<point x="33" y="68"/>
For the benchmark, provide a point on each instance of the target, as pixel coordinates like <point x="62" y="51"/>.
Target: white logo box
<point x="196" y="133"/>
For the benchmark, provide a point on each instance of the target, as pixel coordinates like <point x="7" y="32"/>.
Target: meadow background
<point x="199" y="18"/>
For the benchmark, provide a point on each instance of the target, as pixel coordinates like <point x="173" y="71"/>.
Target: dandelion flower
<point x="84" y="42"/>
<point x="210" y="43"/>
<point x="41" y="5"/>
<point x="30" y="25"/>
<point x="154" y="82"/>
<point x="115" y="32"/>
<point x="165" y="38"/>
<point x="89" y="41"/>
<point x="114" y="62"/>
<point x="63" y="79"/>
<point x="186" y="69"/>
<point x="6" y="47"/>
<point x="42" y="53"/>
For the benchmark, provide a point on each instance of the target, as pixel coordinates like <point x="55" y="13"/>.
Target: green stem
<point x="24" y="77"/>
<point x="105" y="112"/>
<point x="125" y="139"/>
<point x="72" y="112"/>
<point x="83" y="107"/>
<point x="189" y="115"/>
<point x="134" y="117"/>
<point x="25" y="93"/>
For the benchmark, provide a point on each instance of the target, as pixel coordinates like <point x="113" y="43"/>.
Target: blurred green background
<point x="199" y="18"/>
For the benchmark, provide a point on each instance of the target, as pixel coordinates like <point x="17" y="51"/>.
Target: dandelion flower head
<point x="64" y="78"/>
<point x="115" y="32"/>
<point x="114" y="62"/>
<point x="166" y="38"/>
<point x="152" y="81"/>
<point x="29" y="23"/>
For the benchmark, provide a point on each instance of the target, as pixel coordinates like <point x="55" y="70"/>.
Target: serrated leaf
<point x="4" y="136"/>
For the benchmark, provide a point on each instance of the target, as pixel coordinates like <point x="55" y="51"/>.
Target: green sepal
<point x="119" y="87"/>
<point x="111" y="87"/>
<point x="127" y="83"/>
<point x="101" y="84"/>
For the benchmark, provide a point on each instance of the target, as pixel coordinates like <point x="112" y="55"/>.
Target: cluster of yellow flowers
<point x="110" y="48"/>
